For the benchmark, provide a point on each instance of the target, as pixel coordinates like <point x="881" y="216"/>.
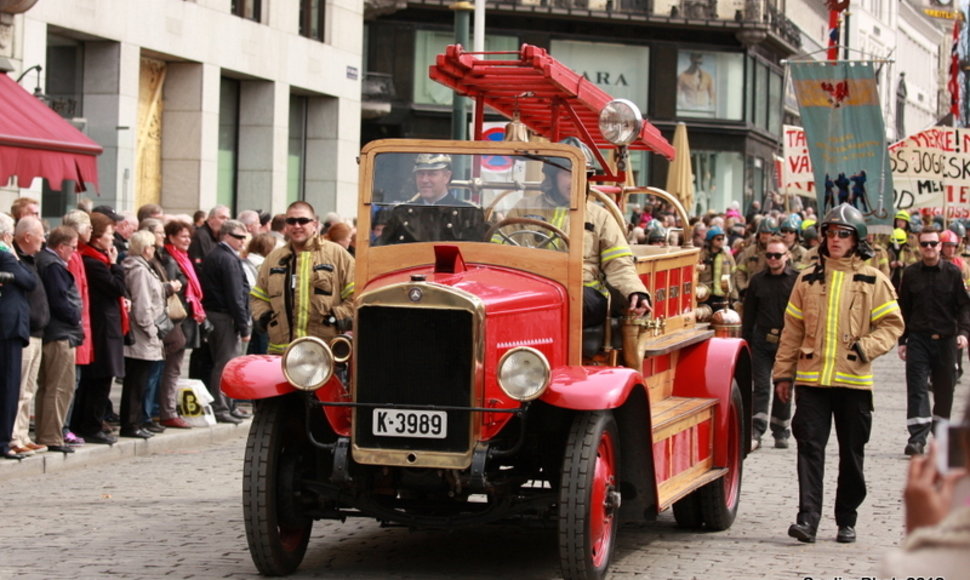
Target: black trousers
<point x="763" y="358"/>
<point x="11" y="353"/>
<point x="815" y="407"/>
<point x="929" y="360"/>
<point x="133" y="393"/>
<point x="90" y="403"/>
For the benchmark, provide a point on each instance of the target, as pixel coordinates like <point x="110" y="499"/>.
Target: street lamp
<point x="38" y="92"/>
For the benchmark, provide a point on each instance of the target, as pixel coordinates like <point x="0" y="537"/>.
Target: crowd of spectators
<point x="109" y="297"/>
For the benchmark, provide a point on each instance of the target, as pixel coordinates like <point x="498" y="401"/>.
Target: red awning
<point x="36" y="142"/>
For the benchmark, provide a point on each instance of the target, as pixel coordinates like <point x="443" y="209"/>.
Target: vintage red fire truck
<point x="468" y="390"/>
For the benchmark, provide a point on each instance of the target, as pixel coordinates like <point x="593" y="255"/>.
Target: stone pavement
<point x="170" y="507"/>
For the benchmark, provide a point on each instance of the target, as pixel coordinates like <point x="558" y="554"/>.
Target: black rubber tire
<point x="687" y="512"/>
<point x="589" y="497"/>
<point x="277" y="452"/>
<point x="719" y="499"/>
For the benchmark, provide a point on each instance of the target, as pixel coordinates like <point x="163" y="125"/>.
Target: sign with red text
<point x="796" y="166"/>
<point x="931" y="172"/>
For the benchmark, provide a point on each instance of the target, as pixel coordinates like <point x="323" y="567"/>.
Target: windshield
<point x="521" y="200"/>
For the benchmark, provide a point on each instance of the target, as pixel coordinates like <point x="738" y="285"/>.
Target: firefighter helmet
<point x="656" y="232"/>
<point x="768" y="226"/>
<point x="846" y="216"/>
<point x="948" y="237"/>
<point x="958" y="229"/>
<point x="903" y="215"/>
<point x="899" y="236"/>
<point x="713" y="232"/>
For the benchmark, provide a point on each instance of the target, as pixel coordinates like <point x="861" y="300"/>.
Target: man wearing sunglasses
<point x="225" y="294"/>
<point x="842" y="314"/>
<point x="936" y="308"/>
<point x="761" y="325"/>
<point x="306" y="287"/>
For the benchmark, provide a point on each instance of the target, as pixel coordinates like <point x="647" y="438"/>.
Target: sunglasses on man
<point x="292" y="221"/>
<point x="831" y="234"/>
<point x="774" y="255"/>
<point x="930" y="244"/>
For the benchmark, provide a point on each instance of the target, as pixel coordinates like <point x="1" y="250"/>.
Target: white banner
<point x="931" y="172"/>
<point x="796" y="171"/>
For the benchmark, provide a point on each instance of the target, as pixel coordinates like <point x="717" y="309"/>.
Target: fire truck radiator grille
<point x="414" y="356"/>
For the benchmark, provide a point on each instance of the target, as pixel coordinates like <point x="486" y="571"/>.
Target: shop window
<point x="296" y="152"/>
<point x="621" y="70"/>
<point x="710" y="84"/>
<point x="248" y="9"/>
<point x="312" y="17"/>
<point x="228" y="157"/>
<point x="718" y="179"/>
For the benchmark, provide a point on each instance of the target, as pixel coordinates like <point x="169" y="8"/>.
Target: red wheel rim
<point x="733" y="479"/>
<point x="602" y="510"/>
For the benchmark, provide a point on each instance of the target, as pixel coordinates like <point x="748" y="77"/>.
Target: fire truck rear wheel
<point x="277" y="456"/>
<point x="589" y="496"/>
<point x="719" y="499"/>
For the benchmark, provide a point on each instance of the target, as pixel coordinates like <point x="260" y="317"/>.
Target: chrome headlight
<point x="620" y="122"/>
<point x="308" y="363"/>
<point x="523" y="373"/>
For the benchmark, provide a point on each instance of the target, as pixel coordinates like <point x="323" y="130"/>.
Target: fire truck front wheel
<point x="278" y="455"/>
<point x="589" y="496"/>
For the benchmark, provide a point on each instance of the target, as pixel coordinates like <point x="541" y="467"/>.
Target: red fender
<point x="260" y="376"/>
<point x="255" y="376"/>
<point x="590" y="388"/>
<point x="706" y="370"/>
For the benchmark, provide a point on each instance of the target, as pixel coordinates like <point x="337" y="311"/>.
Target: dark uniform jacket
<point x="106" y="286"/>
<point x="14" y="308"/>
<point x="203" y="241"/>
<point x="934" y="300"/>
<point x="40" y="313"/>
<point x="764" y="304"/>
<point x="447" y="220"/>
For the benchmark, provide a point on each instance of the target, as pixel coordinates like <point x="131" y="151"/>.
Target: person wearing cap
<point x="841" y="315"/>
<point x="304" y="288"/>
<point x="434" y="213"/>
<point x="936" y="309"/>
<point x="715" y="269"/>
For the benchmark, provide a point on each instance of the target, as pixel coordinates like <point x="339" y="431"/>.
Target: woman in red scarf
<point x="178" y="266"/>
<point x="109" y="324"/>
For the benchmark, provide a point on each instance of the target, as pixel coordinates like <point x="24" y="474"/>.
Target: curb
<point x="126" y="448"/>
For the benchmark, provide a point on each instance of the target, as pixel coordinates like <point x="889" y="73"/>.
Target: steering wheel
<point x="544" y="237"/>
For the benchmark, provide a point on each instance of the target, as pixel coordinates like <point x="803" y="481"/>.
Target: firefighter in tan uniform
<point x="796" y="252"/>
<point x="304" y="288"/>
<point x="607" y="258"/>
<point x="751" y="260"/>
<point x="715" y="269"/>
<point x="841" y="315"/>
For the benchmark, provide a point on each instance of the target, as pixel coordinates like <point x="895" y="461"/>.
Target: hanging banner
<point x="931" y="172"/>
<point x="796" y="165"/>
<point x="846" y="139"/>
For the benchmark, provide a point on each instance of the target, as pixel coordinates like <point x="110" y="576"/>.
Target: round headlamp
<point x="620" y="122"/>
<point x="523" y="373"/>
<point x="308" y="363"/>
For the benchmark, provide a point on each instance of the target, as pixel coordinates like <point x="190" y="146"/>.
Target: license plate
<point x="404" y="423"/>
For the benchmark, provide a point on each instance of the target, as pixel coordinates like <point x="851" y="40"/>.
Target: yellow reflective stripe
<point x="613" y="253"/>
<point x="832" y="326"/>
<point x="304" y="278"/>
<point x="559" y="217"/>
<point x="806" y="377"/>
<point x="794" y="311"/>
<point x="347" y="291"/>
<point x="598" y="286"/>
<point x="276" y="348"/>
<point x="259" y="294"/>
<point x="864" y="380"/>
<point x="718" y="269"/>
<point x="883" y="310"/>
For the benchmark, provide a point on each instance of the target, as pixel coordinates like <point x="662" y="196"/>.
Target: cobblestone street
<point x="177" y="514"/>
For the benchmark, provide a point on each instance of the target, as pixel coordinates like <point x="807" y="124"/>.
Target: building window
<point x="248" y="9"/>
<point x="228" y="157"/>
<point x="312" y="18"/>
<point x="709" y="84"/>
<point x="430" y="43"/>
<point x="296" y="151"/>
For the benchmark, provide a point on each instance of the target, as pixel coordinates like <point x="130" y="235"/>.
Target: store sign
<point x="620" y="70"/>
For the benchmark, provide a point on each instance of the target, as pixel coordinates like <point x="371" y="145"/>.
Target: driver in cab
<point x="607" y="259"/>
<point x="434" y="213"/>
